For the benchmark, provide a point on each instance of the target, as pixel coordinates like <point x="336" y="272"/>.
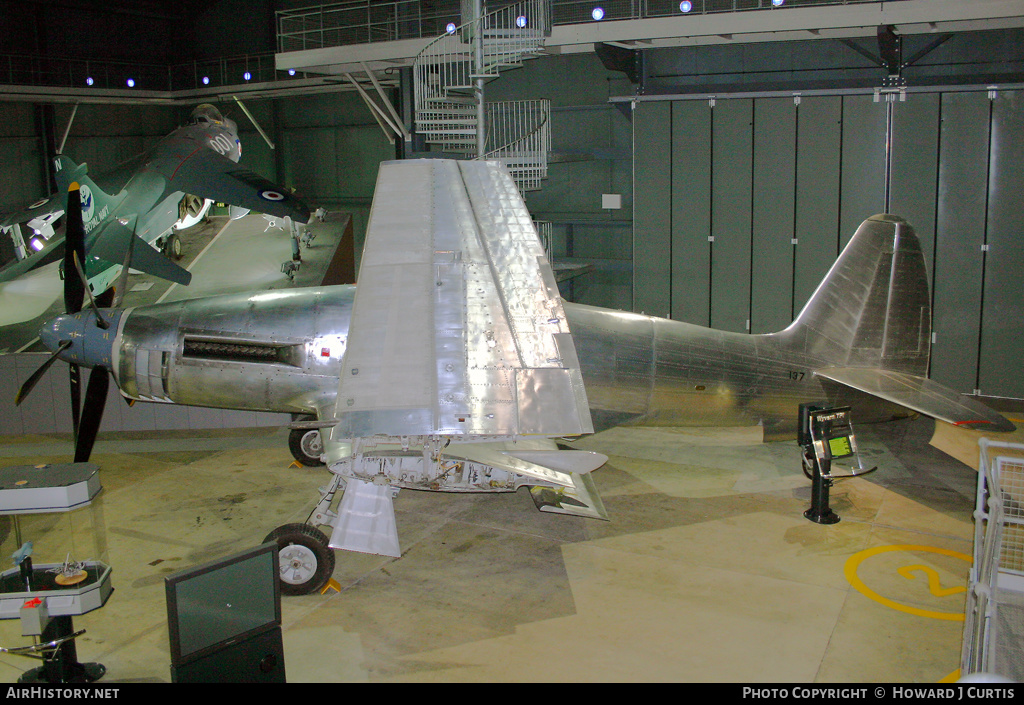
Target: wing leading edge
<point x="921" y="395"/>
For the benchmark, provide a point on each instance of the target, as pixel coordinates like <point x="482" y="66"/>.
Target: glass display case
<point x="53" y="535"/>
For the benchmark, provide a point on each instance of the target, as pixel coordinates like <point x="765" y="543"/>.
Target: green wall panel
<point x="652" y="247"/>
<point x="691" y="211"/>
<point x="732" y="145"/>
<point x="960" y="233"/>
<point x="862" y="185"/>
<point x="914" y="170"/>
<point x="774" y="196"/>
<point x="1001" y="365"/>
<point x="818" y="153"/>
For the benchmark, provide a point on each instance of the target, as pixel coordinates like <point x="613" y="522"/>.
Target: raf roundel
<point x="272" y="195"/>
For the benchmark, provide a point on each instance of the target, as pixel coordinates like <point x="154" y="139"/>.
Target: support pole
<point x="478" y="60"/>
<point x="821" y="481"/>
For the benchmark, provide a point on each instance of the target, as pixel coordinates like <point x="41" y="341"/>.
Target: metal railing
<point x="448" y="79"/>
<point x="447" y="66"/>
<point x="580" y="11"/>
<point x="519" y="135"/>
<point x="18" y="70"/>
<point x="337" y="24"/>
<point x="995" y="598"/>
<point x="361" y="22"/>
<point x="367" y="21"/>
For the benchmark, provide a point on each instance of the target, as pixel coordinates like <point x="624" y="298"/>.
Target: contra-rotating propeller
<point x="85" y="417"/>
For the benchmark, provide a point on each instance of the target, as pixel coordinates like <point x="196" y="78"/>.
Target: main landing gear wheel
<point x="306" y="561"/>
<point x="172" y="248"/>
<point x="306" y="446"/>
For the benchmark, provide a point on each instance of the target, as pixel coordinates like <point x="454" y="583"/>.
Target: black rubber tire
<point x="306" y="561"/>
<point x="172" y="248"/>
<point x="306" y="446"/>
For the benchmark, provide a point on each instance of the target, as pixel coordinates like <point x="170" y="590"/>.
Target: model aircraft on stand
<point x="147" y="200"/>
<point x="454" y="365"/>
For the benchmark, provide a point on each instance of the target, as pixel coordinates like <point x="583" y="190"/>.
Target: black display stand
<point x="826" y="434"/>
<point x="62" y="665"/>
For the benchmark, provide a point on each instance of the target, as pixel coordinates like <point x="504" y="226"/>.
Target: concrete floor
<point x="707" y="570"/>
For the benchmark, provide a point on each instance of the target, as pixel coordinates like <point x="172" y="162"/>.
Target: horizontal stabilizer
<point x="112" y="243"/>
<point x="921" y="395"/>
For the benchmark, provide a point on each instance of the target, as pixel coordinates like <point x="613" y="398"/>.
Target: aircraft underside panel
<point x="457" y="329"/>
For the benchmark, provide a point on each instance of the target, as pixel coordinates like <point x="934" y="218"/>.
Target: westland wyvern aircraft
<point x="455" y="364"/>
<point x="146" y="199"/>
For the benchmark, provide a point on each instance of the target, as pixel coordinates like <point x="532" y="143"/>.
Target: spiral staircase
<point x="449" y="78"/>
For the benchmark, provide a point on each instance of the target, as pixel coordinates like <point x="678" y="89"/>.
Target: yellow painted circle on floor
<point x="854" y="561"/>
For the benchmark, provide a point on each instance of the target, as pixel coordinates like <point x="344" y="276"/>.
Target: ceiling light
<point x="450" y="29"/>
<point x="131" y="82"/>
<point x="247" y="76"/>
<point x="521" y="21"/>
<point x="685" y="6"/>
<point x="206" y="80"/>
<point x="778" y="3"/>
<point x="88" y="81"/>
<point x="597" y="13"/>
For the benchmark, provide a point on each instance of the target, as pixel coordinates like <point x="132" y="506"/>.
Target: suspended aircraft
<point x="454" y="365"/>
<point x="149" y="199"/>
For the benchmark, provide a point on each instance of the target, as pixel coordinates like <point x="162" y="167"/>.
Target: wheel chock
<point x="332" y="584"/>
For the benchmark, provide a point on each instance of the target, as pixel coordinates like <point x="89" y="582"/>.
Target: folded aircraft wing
<point x="921" y="395"/>
<point x="457" y="327"/>
<point x="54" y="204"/>
<point x="204" y="173"/>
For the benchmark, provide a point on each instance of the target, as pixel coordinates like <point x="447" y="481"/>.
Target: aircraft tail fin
<point x="869" y="326"/>
<point x="94" y="199"/>
<point x="873" y="308"/>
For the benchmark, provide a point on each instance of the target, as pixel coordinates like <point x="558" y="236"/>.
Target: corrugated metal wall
<point x="743" y="204"/>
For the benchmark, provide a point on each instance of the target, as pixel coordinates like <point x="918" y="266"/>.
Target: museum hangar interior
<point x="703" y="161"/>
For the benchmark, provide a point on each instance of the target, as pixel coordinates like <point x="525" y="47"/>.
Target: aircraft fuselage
<point x="251" y="352"/>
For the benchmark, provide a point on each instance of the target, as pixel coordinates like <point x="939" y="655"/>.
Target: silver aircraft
<point x="147" y="200"/>
<point x="455" y="365"/>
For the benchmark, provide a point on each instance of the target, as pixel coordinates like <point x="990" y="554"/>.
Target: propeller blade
<point x="31" y="382"/>
<point x="74" y="245"/>
<point x="92" y="413"/>
<point x="75" y="384"/>
<point x="100" y="321"/>
<point x="122" y="279"/>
